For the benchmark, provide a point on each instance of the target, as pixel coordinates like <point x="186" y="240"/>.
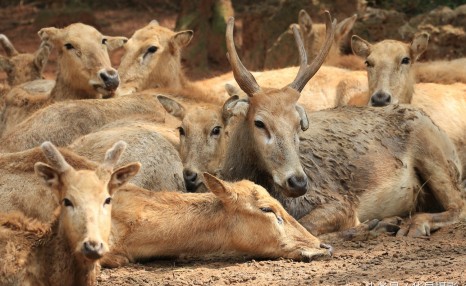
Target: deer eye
<point x="69" y="46"/>
<point x="104" y="41"/>
<point x="266" y="210"/>
<point x="67" y="203"/>
<point x="259" y="124"/>
<point x="108" y="201"/>
<point x="368" y="64"/>
<point x="405" y="61"/>
<point x="215" y="131"/>
<point x="181" y="130"/>
<point x="152" y="49"/>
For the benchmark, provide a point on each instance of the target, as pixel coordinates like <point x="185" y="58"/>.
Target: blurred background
<point x="258" y="24"/>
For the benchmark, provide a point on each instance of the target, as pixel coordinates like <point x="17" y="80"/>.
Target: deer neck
<point x="63" y="91"/>
<point x="59" y="261"/>
<point x="167" y="224"/>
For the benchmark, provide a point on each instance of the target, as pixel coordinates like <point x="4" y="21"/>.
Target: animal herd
<point x="247" y="163"/>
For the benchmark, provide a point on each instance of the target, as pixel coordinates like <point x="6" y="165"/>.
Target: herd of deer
<point x="262" y="170"/>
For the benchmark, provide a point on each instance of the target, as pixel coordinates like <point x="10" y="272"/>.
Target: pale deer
<point x="68" y="249"/>
<point x="84" y="71"/>
<point x="351" y="165"/>
<point x="390" y="80"/>
<point x="158" y="223"/>
<point x="232" y="219"/>
<point x="23" y="67"/>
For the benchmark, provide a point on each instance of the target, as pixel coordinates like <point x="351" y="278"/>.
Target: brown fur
<point x="445" y="104"/>
<point x="63" y="122"/>
<point x="313" y="35"/>
<point x="351" y="165"/>
<point x="79" y="46"/>
<point x="23" y="67"/>
<point x="76" y="238"/>
<point x="225" y="220"/>
<point x="445" y="72"/>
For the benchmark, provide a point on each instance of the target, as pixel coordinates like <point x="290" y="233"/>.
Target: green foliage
<point x="413" y="7"/>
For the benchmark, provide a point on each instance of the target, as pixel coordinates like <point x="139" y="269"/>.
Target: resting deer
<point x="23" y="67"/>
<point x="390" y="80"/>
<point x="349" y="165"/>
<point x="67" y="249"/>
<point x="159" y="223"/>
<point x="84" y="71"/>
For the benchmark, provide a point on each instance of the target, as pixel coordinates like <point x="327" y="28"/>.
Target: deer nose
<point x="190" y="179"/>
<point x="110" y="78"/>
<point x="381" y="98"/>
<point x="297" y="185"/>
<point x="93" y="250"/>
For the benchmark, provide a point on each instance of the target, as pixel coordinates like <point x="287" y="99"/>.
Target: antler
<point x="54" y="157"/>
<point x="306" y="72"/>
<point x="243" y="77"/>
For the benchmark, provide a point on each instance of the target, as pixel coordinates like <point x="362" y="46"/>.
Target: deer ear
<point x="122" y="175"/>
<point x="303" y="116"/>
<point x="344" y="27"/>
<point x="233" y="90"/>
<point x="42" y="55"/>
<point x="419" y="45"/>
<point x="226" y="111"/>
<point x="154" y="22"/>
<point x="183" y="38"/>
<point x="220" y="188"/>
<point x="49" y="34"/>
<point x="49" y="175"/>
<point x="114" y="43"/>
<point x="172" y="107"/>
<point x="360" y="47"/>
<point x="305" y="22"/>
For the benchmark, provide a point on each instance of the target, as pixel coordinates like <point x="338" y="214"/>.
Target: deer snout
<point x="110" y="78"/>
<point x="380" y="98"/>
<point x="296" y="185"/>
<point x="190" y="179"/>
<point x="93" y="250"/>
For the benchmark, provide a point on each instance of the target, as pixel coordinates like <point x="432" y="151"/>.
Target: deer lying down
<point x="68" y="249"/>
<point x="157" y="221"/>
<point x="225" y="220"/>
<point x="84" y="71"/>
<point x="23" y="67"/>
<point x="162" y="168"/>
<point x="390" y="81"/>
<point x="349" y="165"/>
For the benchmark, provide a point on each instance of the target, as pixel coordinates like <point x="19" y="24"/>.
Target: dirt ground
<point x="386" y="260"/>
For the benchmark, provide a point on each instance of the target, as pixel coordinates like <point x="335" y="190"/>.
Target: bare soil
<point x="385" y="260"/>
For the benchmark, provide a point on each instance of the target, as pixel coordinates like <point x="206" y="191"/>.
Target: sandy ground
<point x="385" y="260"/>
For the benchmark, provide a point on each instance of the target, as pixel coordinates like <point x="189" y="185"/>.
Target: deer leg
<point x="441" y="177"/>
<point x="114" y="260"/>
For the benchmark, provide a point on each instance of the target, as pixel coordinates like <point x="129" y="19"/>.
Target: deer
<point x="390" y="80"/>
<point x="203" y="137"/>
<point x="84" y="71"/>
<point x="23" y="67"/>
<point x="313" y="35"/>
<point x="158" y="222"/>
<point x="78" y="235"/>
<point x="338" y="168"/>
<point x="222" y="221"/>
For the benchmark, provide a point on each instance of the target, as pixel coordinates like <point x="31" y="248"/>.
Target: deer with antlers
<point x="349" y="165"/>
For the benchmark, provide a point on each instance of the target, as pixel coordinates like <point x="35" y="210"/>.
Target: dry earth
<point x="386" y="260"/>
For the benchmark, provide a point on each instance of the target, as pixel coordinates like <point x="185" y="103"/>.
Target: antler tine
<point x="243" y="77"/>
<point x="305" y="72"/>
<point x="54" y="157"/>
